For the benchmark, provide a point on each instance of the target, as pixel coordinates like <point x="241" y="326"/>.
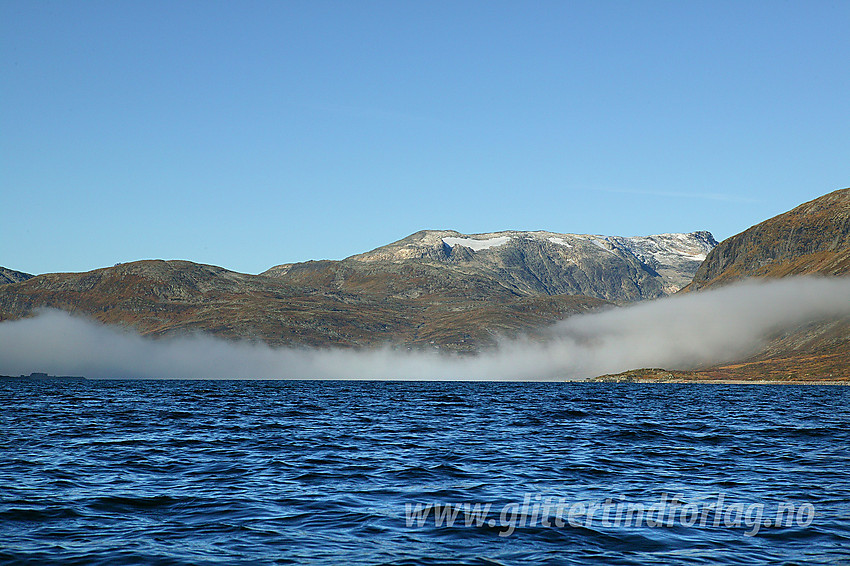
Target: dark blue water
<point x="119" y="472"/>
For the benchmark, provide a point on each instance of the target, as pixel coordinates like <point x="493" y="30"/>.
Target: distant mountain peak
<point x="693" y="245"/>
<point x="617" y="268"/>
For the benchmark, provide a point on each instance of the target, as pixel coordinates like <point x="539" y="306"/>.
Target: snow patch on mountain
<point x="477" y="245"/>
<point x="599" y="244"/>
<point x="662" y="248"/>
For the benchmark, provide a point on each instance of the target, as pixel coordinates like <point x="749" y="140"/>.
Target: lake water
<point x="203" y="472"/>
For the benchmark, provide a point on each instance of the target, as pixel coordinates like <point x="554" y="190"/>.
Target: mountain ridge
<point x="530" y="263"/>
<point x="11" y="276"/>
<point x="432" y="289"/>
<point x="158" y="297"/>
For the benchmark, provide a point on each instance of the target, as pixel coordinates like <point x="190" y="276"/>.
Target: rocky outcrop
<point x="12" y="276"/>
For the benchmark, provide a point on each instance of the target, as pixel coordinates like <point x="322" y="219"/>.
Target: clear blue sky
<point x="248" y="134"/>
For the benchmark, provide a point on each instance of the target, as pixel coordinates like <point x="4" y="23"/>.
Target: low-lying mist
<point x="679" y="332"/>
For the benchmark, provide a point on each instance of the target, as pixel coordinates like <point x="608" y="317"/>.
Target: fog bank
<point x="678" y="332"/>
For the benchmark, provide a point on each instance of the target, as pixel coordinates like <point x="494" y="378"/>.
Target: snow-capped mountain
<point x="616" y="268"/>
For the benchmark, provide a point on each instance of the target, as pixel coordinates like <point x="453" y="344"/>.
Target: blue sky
<point x="248" y="134"/>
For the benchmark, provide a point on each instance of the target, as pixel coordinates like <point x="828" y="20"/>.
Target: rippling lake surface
<point x="203" y="472"/>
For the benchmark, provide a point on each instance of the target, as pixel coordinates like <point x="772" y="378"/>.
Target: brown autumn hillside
<point x="158" y="297"/>
<point x="813" y="238"/>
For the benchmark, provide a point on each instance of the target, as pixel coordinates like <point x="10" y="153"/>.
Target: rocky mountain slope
<point x="12" y="276"/>
<point x="529" y="264"/>
<point x="813" y="238"/>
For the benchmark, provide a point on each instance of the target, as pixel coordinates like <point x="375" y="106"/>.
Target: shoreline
<point x="728" y="381"/>
<point x="732" y="374"/>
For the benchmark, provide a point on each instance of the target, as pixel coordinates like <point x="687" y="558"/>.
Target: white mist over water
<point x="676" y="333"/>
